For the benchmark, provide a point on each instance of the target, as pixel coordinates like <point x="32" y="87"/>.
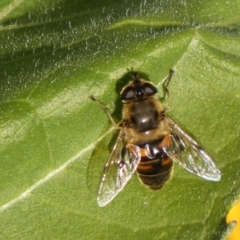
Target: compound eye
<point x="138" y="90"/>
<point x="149" y="89"/>
<point x="128" y="93"/>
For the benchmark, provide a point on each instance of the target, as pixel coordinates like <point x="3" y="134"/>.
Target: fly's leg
<point x="166" y="82"/>
<point x="106" y="109"/>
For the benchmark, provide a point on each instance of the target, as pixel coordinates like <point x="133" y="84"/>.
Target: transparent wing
<point x="122" y="163"/>
<point x="187" y="152"/>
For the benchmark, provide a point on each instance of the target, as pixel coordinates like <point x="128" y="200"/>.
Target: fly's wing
<point x="122" y="163"/>
<point x="187" y="152"/>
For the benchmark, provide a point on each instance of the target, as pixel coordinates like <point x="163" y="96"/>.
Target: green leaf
<point x="54" y="141"/>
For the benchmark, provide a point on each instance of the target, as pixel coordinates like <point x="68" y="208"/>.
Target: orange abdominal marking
<point x="166" y="142"/>
<point x="143" y="152"/>
<point x="166" y="161"/>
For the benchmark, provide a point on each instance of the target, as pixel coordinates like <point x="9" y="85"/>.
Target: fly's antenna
<point x="134" y="74"/>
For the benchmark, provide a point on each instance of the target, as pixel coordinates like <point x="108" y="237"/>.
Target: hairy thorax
<point x="145" y="120"/>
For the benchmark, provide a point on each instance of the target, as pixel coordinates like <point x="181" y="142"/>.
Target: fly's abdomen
<point x="155" y="166"/>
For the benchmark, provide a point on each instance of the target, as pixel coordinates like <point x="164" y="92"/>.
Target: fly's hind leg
<point x="106" y="109"/>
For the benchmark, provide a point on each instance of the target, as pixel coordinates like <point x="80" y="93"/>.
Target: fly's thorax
<point x="143" y="114"/>
<point x="135" y="137"/>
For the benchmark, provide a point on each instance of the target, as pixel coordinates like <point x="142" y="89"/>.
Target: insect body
<point x="148" y="142"/>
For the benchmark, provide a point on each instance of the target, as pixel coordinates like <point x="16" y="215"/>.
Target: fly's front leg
<point x="165" y="87"/>
<point x="106" y="109"/>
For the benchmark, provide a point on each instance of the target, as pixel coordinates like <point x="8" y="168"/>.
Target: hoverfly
<point x="148" y="142"/>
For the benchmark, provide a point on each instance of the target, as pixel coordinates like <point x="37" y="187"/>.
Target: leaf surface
<point x="54" y="141"/>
